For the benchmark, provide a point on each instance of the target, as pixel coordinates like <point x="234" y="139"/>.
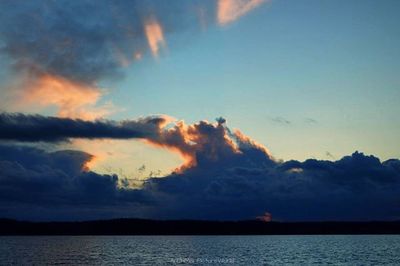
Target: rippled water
<point x="227" y="250"/>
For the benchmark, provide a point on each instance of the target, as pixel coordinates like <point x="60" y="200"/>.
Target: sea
<point x="201" y="250"/>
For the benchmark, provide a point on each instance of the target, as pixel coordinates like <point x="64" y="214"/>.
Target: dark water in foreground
<point x="201" y="250"/>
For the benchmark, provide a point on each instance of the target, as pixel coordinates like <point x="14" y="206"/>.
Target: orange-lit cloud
<point x="88" y="165"/>
<point x="154" y="35"/>
<point x="246" y="140"/>
<point x="230" y="10"/>
<point x="200" y="144"/>
<point x="71" y="99"/>
<point x="177" y="140"/>
<point x="211" y="141"/>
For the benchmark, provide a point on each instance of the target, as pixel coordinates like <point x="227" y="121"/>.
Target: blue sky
<point x="335" y="62"/>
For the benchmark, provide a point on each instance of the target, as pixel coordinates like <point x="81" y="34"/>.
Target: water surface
<point x="209" y="250"/>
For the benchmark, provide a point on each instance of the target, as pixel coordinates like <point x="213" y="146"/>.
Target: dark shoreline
<point x="192" y="227"/>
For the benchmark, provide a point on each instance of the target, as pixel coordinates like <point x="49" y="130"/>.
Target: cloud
<point x="87" y="41"/>
<point x="310" y="121"/>
<point x="280" y="120"/>
<point x="230" y="176"/>
<point x="231" y="10"/>
<point x="71" y="99"/>
<point x="197" y="143"/>
<point x="329" y="155"/>
<point x="356" y="187"/>
<point x="154" y="35"/>
<point x="35" y="184"/>
<point x="34" y="128"/>
<point x="75" y="40"/>
<point x="61" y="50"/>
<point x="206" y="143"/>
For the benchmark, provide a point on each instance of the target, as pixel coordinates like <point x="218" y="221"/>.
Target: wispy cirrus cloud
<point x="310" y="121"/>
<point x="280" y="120"/>
<point x="231" y="10"/>
<point x="154" y="35"/>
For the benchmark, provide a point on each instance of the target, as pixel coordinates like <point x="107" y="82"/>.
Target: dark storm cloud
<point x="356" y="187"/>
<point x="34" y="183"/>
<point x="33" y="128"/>
<point x="230" y="177"/>
<point x="86" y="41"/>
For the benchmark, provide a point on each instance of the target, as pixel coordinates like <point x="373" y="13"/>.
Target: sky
<point x="176" y="110"/>
<point x="321" y="71"/>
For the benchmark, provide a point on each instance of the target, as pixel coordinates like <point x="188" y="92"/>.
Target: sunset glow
<point x="208" y="110"/>
<point x="71" y="99"/>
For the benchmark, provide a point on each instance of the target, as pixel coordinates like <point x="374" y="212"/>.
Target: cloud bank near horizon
<point x="227" y="176"/>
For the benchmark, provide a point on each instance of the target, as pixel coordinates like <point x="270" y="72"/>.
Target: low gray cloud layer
<point x="34" y="128"/>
